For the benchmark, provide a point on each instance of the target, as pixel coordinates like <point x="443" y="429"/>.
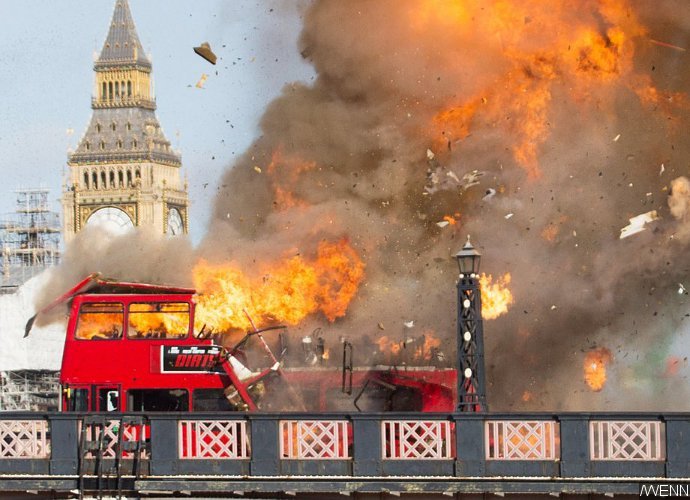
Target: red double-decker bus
<point x="132" y="347"/>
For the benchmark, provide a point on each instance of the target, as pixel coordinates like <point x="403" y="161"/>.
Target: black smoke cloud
<point x="385" y="70"/>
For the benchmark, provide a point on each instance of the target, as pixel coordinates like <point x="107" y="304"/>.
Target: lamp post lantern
<point x="470" y="338"/>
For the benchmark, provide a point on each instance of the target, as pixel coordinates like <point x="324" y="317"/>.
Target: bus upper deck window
<point x="158" y="320"/>
<point x="100" y="321"/>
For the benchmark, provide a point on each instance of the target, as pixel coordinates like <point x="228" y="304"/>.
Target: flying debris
<point x="204" y="50"/>
<point x="202" y="80"/>
<point x="471" y="179"/>
<point x="440" y="178"/>
<point x="408" y="324"/>
<point x="668" y="45"/>
<point x="637" y="223"/>
<point x="490" y="193"/>
<point x="681" y="289"/>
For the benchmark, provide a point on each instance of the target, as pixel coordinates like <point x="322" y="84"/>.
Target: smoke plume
<point x="538" y="129"/>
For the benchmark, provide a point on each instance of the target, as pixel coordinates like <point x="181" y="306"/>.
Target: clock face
<point x="175" y="225"/>
<point x="112" y="219"/>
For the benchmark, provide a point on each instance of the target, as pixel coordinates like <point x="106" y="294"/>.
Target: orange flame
<point x="284" y="172"/>
<point x="594" y="367"/>
<point x="590" y="46"/>
<point x="286" y="291"/>
<point x="419" y="348"/>
<point x="388" y="345"/>
<point x="496" y="297"/>
<point x="450" y="219"/>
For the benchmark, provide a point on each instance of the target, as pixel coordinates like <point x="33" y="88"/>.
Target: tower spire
<point x="122" y="46"/>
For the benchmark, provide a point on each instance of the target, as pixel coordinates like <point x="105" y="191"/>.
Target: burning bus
<point x="134" y="347"/>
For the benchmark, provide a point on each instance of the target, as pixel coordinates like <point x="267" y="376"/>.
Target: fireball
<point x="594" y="367"/>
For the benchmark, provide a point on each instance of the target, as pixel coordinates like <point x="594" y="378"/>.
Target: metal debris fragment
<point x="490" y="193"/>
<point x="665" y="44"/>
<point x="257" y="169"/>
<point x="681" y="289"/>
<point x="202" y="80"/>
<point x="471" y="179"/>
<point x="452" y="175"/>
<point x="440" y="178"/>
<point x="408" y="324"/>
<point x="204" y="50"/>
<point x="442" y="223"/>
<point x="508" y="216"/>
<point x="637" y="223"/>
<point x="615" y="139"/>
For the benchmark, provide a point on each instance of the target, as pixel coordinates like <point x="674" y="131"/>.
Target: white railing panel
<point x="201" y="439"/>
<point x="24" y="439"/>
<point x="521" y="440"/>
<point x="416" y="439"/>
<point x="635" y="440"/>
<point x="314" y="439"/>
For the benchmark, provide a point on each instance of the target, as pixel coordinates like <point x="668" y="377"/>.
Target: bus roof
<point x="96" y="284"/>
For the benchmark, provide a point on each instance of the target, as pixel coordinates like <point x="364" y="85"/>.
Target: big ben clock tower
<point x="124" y="173"/>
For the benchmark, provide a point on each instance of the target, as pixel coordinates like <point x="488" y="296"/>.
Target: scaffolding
<point x="29" y="390"/>
<point x="30" y="239"/>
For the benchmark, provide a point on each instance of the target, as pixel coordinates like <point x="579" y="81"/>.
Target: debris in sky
<point x="670" y="46"/>
<point x="661" y="170"/>
<point x="508" y="216"/>
<point x="490" y="193"/>
<point x="408" y="324"/>
<point x="615" y="139"/>
<point x="681" y="289"/>
<point x="637" y="224"/>
<point x="442" y="223"/>
<point x="202" y="80"/>
<point x="204" y="50"/>
<point x="381" y="327"/>
<point x="257" y="169"/>
<point x="70" y="131"/>
<point x="471" y="179"/>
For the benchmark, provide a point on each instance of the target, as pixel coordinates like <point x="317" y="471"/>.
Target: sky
<point x="47" y="49"/>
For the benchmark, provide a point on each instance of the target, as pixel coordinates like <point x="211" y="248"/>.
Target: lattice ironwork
<point x="314" y="439"/>
<point x="213" y="439"/>
<point x="470" y="341"/>
<point x="24" y="439"/>
<point x="521" y="440"/>
<point x="416" y="439"/>
<point x="131" y="433"/>
<point x="627" y="440"/>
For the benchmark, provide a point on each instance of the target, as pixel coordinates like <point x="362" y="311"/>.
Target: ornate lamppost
<point x="471" y="378"/>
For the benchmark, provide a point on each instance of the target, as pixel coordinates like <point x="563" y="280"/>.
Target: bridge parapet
<point x="350" y="449"/>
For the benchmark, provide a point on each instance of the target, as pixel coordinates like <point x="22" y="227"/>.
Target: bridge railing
<point x="541" y="446"/>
